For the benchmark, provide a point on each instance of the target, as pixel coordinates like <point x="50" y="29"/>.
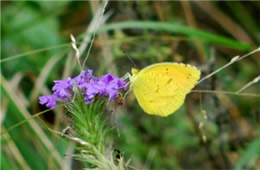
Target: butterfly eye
<point x="134" y="71"/>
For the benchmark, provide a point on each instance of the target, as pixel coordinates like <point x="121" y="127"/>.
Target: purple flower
<point x="83" y="78"/>
<point x="63" y="87"/>
<point x="90" y="90"/>
<point x="89" y="85"/>
<point x="49" y="100"/>
<point x="110" y="84"/>
<point x="106" y="85"/>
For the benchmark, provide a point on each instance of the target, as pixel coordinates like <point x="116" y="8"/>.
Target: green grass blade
<point x="173" y="28"/>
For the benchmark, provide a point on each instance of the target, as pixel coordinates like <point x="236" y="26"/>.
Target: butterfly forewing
<point x="161" y="88"/>
<point x="185" y="76"/>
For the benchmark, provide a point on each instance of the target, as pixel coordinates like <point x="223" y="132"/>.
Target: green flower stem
<point x="90" y="129"/>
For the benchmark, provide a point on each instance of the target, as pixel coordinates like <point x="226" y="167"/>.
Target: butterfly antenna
<point x="132" y="61"/>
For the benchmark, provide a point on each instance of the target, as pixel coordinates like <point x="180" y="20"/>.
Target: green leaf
<point x="250" y="155"/>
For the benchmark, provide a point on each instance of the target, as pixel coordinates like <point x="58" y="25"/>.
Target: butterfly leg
<point x="126" y="76"/>
<point x="127" y="93"/>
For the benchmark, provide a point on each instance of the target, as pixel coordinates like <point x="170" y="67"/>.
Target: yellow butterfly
<point x="161" y="88"/>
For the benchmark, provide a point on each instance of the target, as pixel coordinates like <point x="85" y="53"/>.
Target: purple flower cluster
<point x="89" y="85"/>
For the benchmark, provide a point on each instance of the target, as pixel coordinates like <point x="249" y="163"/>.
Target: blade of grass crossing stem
<point x="173" y="28"/>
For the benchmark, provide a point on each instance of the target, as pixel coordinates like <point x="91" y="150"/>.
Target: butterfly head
<point x="134" y="72"/>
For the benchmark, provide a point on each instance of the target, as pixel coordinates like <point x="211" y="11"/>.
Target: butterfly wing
<point x="160" y="89"/>
<point x="157" y="94"/>
<point x="185" y="76"/>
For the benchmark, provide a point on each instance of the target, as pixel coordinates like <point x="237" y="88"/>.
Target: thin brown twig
<point x="226" y="92"/>
<point x="232" y="61"/>
<point x="98" y="20"/>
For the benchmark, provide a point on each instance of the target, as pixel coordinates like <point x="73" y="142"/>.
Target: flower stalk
<point x="90" y="125"/>
<point x="85" y="98"/>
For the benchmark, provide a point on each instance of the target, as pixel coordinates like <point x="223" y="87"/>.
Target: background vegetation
<point x="36" y="50"/>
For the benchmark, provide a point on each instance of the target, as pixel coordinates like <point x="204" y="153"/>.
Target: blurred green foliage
<point x="36" y="50"/>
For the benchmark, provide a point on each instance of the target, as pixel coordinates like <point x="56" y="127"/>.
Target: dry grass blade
<point x="13" y="150"/>
<point x="106" y="51"/>
<point x="232" y="61"/>
<point x="226" y="92"/>
<point x="98" y="20"/>
<point x="14" y="83"/>
<point x="34" y="52"/>
<point x="35" y="126"/>
<point x="41" y="79"/>
<point x="192" y="22"/>
<point x="226" y="22"/>
<point x="255" y="80"/>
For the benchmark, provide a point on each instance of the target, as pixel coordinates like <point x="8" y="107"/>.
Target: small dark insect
<point x="118" y="154"/>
